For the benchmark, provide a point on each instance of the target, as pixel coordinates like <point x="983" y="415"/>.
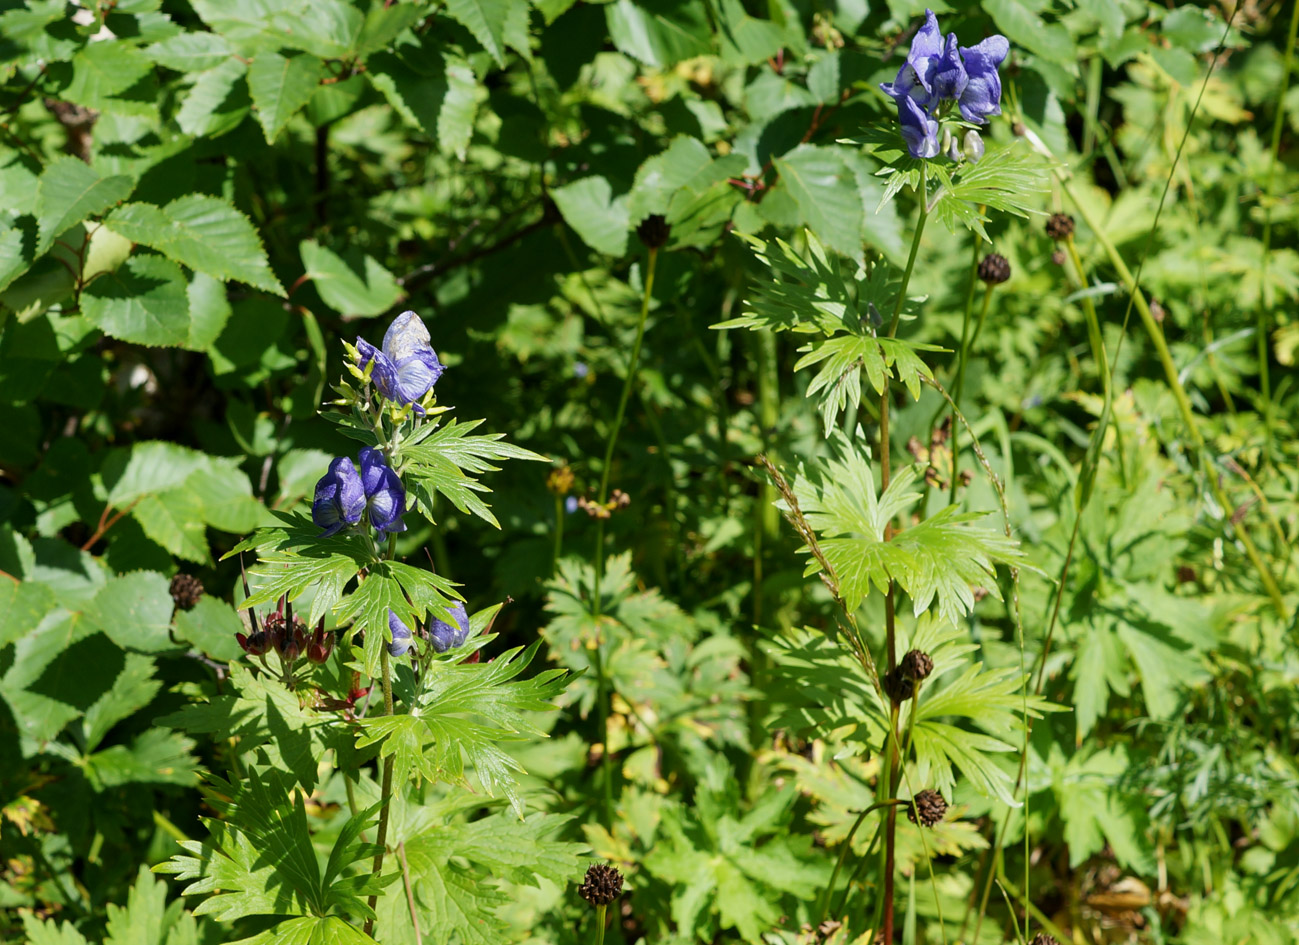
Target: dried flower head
<point x="1059" y="226"/>
<point x="654" y="231"/>
<point x="602" y="885"/>
<point x="186" y="591"/>
<point x="927" y="808"/>
<point x="1041" y="938"/>
<point x="917" y="664"/>
<point x="994" y="269"/>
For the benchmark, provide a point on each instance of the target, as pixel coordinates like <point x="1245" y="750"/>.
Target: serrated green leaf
<point x="589" y="207"/>
<point x="371" y="291"/>
<point x="824" y="188"/>
<point x="659" y="33"/>
<point x="145" y="302"/>
<point x="70" y="191"/>
<point x="216" y="102"/>
<point x="497" y="24"/>
<point x="280" y="87"/>
<point x="202" y="232"/>
<point x="194" y="51"/>
<point x="134" y="610"/>
<point x="100" y="71"/>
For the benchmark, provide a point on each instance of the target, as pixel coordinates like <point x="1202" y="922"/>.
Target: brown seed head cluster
<point x="617" y="500"/>
<point x="654" y="231"/>
<point x="1041" y="938"/>
<point x="994" y="269"/>
<point x="927" y="808"/>
<point x="186" y="591"/>
<point x="601" y="886"/>
<point x="911" y="669"/>
<point x="1059" y="226"/>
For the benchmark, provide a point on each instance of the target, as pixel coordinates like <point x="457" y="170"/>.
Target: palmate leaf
<point x="447" y="459"/>
<point x="1009" y="179"/>
<point x="259" y="858"/>
<point x="268" y="720"/>
<point x="462" y="713"/>
<point x="808" y="295"/>
<point x="409" y="592"/>
<point x="456" y="869"/>
<point x="934" y="562"/>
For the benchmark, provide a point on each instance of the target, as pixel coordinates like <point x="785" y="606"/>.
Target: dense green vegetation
<point x="874" y="509"/>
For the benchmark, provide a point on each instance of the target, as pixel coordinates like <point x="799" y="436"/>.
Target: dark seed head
<point x="1041" y="938"/>
<point x="994" y="269"/>
<point x="917" y="664"/>
<point x="654" y="231"/>
<point x="601" y="886"/>
<point x="898" y="686"/>
<point x="186" y="590"/>
<point x="1059" y="226"/>
<point x="927" y="808"/>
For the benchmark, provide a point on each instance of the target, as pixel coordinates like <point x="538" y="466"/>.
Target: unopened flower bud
<point x="972" y="145"/>
<point x="254" y="644"/>
<point x="320" y="645"/>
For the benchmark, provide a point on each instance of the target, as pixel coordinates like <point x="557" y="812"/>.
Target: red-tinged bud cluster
<point x="288" y="635"/>
<point x="320" y="645"/>
<point x="256" y="643"/>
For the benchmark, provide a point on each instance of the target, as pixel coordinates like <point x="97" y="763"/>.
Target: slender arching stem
<point x="597" y="597"/>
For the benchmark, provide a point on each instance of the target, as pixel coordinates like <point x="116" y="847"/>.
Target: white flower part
<point x="406" y="336"/>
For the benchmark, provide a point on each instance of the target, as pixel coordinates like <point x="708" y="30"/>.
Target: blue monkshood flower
<point x="938" y="71"/>
<point x="949" y="75"/>
<point x="407" y="367"/>
<point x="915" y="78"/>
<point x="446" y="636"/>
<point x="919" y="130"/>
<point x="570" y="504"/>
<point x="385" y="499"/>
<point x="340" y="497"/>
<point x="580" y="370"/>
<point x="981" y="97"/>
<point x="402" y="639"/>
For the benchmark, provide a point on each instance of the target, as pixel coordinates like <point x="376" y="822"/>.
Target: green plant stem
<point x="597" y="596"/>
<point x="559" y="534"/>
<point x="890" y="634"/>
<point x="602" y="716"/>
<point x="599" y="924"/>
<point x="603" y="495"/>
<point x="385" y="790"/>
<point x="1265" y="297"/>
<point x="823" y="902"/>
<point x="1183" y="402"/>
<point x="959" y="385"/>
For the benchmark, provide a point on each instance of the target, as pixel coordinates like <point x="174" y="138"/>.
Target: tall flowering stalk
<point x="397" y="619"/>
<point x="850" y="508"/>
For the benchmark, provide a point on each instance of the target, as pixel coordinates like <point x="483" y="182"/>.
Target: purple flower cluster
<point x="406" y="368"/>
<point x="444" y="636"/>
<point x="938" y="71"/>
<point x="344" y="495"/>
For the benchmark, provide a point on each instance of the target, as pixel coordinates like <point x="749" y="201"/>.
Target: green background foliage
<point x="200" y="200"/>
